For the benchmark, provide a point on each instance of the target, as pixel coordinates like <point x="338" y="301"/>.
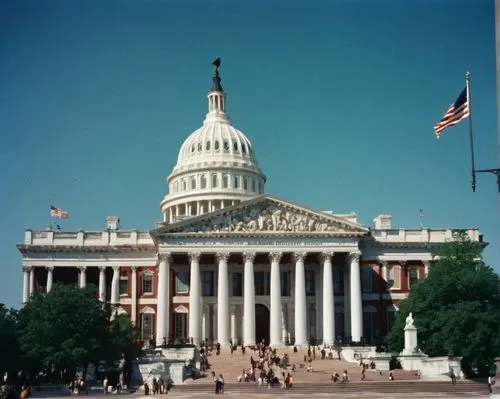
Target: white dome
<point x="216" y="166"/>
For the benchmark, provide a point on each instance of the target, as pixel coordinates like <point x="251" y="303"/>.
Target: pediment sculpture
<point x="264" y="217"/>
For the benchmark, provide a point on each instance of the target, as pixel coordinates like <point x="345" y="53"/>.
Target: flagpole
<point x="50" y="216"/>
<point x="473" y="167"/>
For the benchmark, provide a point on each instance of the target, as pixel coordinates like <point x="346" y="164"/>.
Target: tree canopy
<point x="456" y="308"/>
<point x="9" y="346"/>
<point x="70" y="327"/>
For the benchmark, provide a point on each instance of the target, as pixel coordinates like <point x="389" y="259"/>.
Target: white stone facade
<point x="229" y="263"/>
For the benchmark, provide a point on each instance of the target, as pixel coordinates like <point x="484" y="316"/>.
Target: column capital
<point x="82" y="268"/>
<point x="222" y="256"/>
<point x="385" y="263"/>
<point x="194" y="256"/>
<point x="249" y="256"/>
<point x="165" y="257"/>
<point x="275" y="256"/>
<point x="134" y="269"/>
<point x="354" y="256"/>
<point x="50" y="268"/>
<point x="102" y="269"/>
<point x="232" y="308"/>
<point x="426" y="262"/>
<point x="326" y="256"/>
<point x="116" y="269"/>
<point x="300" y="256"/>
<point x="27" y="269"/>
<point x="403" y="263"/>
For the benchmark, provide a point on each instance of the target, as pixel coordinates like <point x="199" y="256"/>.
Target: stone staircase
<point x="232" y="365"/>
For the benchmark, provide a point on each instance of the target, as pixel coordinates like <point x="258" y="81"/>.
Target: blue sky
<point x="338" y="98"/>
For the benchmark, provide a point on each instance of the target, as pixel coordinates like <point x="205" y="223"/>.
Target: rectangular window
<point x="310" y="283"/>
<point x="259" y="283"/>
<point x="181" y="282"/>
<point x="225" y="181"/>
<point x="394" y="277"/>
<point x="236" y="182"/>
<point x="203" y="181"/>
<point x="285" y="288"/>
<point x="208" y="285"/>
<point x="245" y="183"/>
<point x="180" y="322"/>
<point x="123" y="288"/>
<point x="214" y="181"/>
<point x="237" y="284"/>
<point x="366" y="279"/>
<point x="412" y="277"/>
<point x="193" y="183"/>
<point x="147" y="283"/>
<point x="337" y="281"/>
<point x="147" y="326"/>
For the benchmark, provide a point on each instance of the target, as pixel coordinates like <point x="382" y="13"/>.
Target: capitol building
<point x="229" y="262"/>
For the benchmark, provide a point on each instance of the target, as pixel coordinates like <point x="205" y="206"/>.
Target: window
<point x="259" y="283"/>
<point x="237" y="284"/>
<point x="181" y="282"/>
<point x="225" y="181"/>
<point x="394" y="277"/>
<point x="192" y="148"/>
<point x="366" y="279"/>
<point x="208" y="283"/>
<point x="216" y="145"/>
<point x="245" y="183"/>
<point x="236" y="182"/>
<point x="235" y="146"/>
<point x="147" y="326"/>
<point x="207" y="146"/>
<point x="193" y="183"/>
<point x="336" y="281"/>
<point x="147" y="283"/>
<point x="180" y="323"/>
<point x="200" y="147"/>
<point x="183" y="185"/>
<point x="243" y="148"/>
<point x="310" y="283"/>
<point x="123" y="287"/>
<point x="226" y="146"/>
<point x="214" y="181"/>
<point x="412" y="277"/>
<point x="203" y="181"/>
<point x="253" y="185"/>
<point x="285" y="287"/>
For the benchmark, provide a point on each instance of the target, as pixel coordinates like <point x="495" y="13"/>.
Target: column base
<point x="277" y="344"/>
<point x="249" y="343"/>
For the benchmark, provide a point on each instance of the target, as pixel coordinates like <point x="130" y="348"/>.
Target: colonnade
<point x="224" y="316"/>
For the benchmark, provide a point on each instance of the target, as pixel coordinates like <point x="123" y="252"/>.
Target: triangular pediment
<point x="265" y="214"/>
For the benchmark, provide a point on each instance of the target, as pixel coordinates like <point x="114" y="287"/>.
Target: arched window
<point x="244" y="148"/>
<point x="236" y="182"/>
<point x="214" y="181"/>
<point x="184" y="185"/>
<point x="207" y="146"/>
<point x="200" y="147"/>
<point x="192" y="148"/>
<point x="235" y="146"/>
<point x="245" y="183"/>
<point x="203" y="181"/>
<point x="225" y="181"/>
<point x="193" y="183"/>
<point x="226" y="146"/>
<point x="216" y="145"/>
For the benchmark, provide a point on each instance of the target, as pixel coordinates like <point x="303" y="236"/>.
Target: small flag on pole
<point x="458" y="110"/>
<point x="58" y="213"/>
<point x="421" y="213"/>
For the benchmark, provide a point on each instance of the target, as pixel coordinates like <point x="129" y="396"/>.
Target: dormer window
<point x="244" y="148"/>
<point x="207" y="146"/>
<point x="235" y="147"/>
<point x="226" y="146"/>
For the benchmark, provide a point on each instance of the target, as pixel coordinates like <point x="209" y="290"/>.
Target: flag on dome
<point x="58" y="213"/>
<point x="458" y="110"/>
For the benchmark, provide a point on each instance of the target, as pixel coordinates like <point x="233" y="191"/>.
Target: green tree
<point x="9" y="344"/>
<point x="67" y="328"/>
<point x="456" y="308"/>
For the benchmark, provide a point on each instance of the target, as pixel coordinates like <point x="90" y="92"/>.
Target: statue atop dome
<point x="216" y="79"/>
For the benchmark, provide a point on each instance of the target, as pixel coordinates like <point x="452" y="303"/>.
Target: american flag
<point x="458" y="110"/>
<point x="58" y="213"/>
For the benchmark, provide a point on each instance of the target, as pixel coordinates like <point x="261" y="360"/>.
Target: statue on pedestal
<point x="410" y="321"/>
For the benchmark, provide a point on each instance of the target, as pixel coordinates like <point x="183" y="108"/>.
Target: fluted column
<point x="249" y="300"/>
<point x="102" y="283"/>
<point x="300" y="300"/>
<point x="115" y="286"/>
<point x="426" y="267"/>
<point x="133" y="313"/>
<point x="32" y="280"/>
<point x="195" y="298"/>
<point x="275" y="328"/>
<point x="223" y="299"/>
<point x="82" y="276"/>
<point x="328" y="300"/>
<point x="356" y="304"/>
<point x="234" y="338"/>
<point x="26" y="284"/>
<point x="162" y="304"/>
<point x="50" y="278"/>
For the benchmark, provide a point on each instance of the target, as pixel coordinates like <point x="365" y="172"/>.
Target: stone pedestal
<point x="411" y="343"/>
